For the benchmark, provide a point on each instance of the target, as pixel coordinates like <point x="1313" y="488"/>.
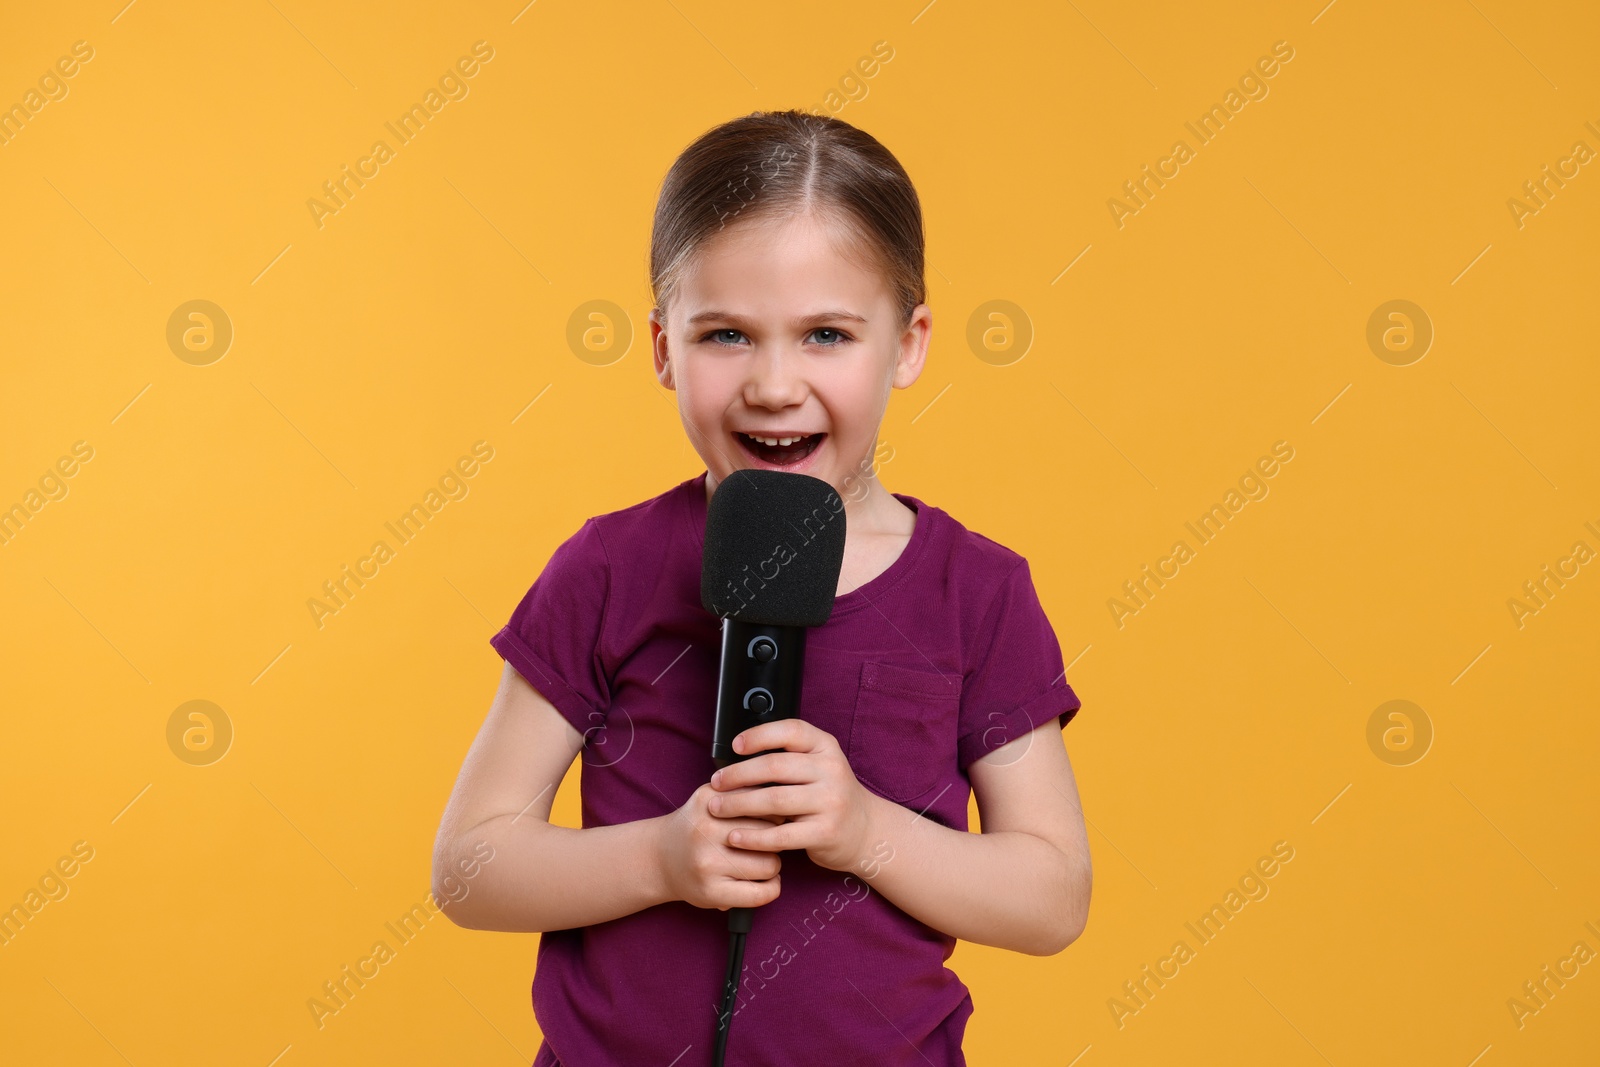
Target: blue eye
<point x="722" y="339"/>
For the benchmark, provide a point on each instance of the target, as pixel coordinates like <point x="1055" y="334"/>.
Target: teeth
<point x="784" y="441"/>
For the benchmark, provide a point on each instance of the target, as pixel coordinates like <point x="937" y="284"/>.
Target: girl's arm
<point x="498" y="864"/>
<point x="1024" y="882"/>
<point x="539" y="877"/>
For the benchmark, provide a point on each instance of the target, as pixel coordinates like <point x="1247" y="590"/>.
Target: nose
<point x="776" y="380"/>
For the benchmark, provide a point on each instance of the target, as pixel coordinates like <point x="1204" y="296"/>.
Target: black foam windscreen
<point x="774" y="547"/>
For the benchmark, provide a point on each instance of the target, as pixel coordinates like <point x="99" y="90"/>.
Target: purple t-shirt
<point x="940" y="659"/>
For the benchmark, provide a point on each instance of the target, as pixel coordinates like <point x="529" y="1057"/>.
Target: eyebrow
<point x="834" y="314"/>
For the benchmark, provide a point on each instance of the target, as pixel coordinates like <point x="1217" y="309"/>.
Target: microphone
<point x="774" y="547"/>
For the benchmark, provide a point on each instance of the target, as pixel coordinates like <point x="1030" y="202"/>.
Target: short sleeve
<point x="1015" y="681"/>
<point x="553" y="638"/>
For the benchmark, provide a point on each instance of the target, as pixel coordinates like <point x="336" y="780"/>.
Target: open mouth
<point x="780" y="451"/>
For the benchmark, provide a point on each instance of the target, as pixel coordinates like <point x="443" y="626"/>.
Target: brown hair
<point x="783" y="163"/>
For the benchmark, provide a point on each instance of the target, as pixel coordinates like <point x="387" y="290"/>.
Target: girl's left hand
<point x="824" y="808"/>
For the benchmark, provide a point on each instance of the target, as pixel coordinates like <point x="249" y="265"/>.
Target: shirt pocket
<point x="903" y="732"/>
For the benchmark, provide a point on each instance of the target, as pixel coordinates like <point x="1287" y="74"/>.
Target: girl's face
<point x="774" y="331"/>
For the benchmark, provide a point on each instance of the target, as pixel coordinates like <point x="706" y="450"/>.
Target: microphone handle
<point x="760" y="679"/>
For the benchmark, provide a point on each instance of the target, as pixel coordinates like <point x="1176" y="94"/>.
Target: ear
<point x="658" y="349"/>
<point x="913" y="349"/>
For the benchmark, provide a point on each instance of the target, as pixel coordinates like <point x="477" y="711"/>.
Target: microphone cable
<point x="739" y="921"/>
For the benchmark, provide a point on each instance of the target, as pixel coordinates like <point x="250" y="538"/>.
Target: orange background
<point x="1164" y="356"/>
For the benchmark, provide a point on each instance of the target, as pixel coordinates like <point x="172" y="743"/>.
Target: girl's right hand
<point x="700" y="867"/>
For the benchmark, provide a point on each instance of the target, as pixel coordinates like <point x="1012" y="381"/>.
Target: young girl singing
<point x="787" y="270"/>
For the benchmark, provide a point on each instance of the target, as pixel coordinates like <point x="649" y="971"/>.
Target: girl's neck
<point x="874" y="512"/>
<point x="877" y="511"/>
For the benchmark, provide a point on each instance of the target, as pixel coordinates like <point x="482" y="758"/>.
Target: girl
<point x="786" y="266"/>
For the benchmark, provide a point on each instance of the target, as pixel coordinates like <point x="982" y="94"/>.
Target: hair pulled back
<point x="775" y="164"/>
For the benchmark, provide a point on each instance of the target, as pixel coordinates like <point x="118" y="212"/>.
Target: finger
<point x="737" y="857"/>
<point x="782" y="800"/>
<point x="767" y="819"/>
<point x="777" y="839"/>
<point x="724" y="790"/>
<point x="757" y="822"/>
<point x="797" y="735"/>
<point x="723" y="827"/>
<point x="753" y="894"/>
<point x="755" y="866"/>
<point x="750" y="865"/>
<point x="772" y="767"/>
